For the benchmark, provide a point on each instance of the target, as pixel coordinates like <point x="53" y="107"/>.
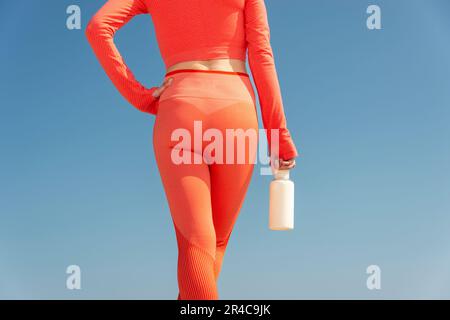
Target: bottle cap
<point x="281" y="174"/>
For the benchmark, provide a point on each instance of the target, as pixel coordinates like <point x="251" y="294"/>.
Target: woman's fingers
<point x="164" y="85"/>
<point x="286" y="164"/>
<point x="167" y="82"/>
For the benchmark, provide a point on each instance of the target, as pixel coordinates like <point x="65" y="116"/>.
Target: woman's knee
<point x="205" y="240"/>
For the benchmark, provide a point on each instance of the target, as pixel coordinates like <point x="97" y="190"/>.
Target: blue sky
<point x="368" y="109"/>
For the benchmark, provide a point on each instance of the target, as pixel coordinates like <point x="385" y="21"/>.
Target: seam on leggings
<point x="193" y="244"/>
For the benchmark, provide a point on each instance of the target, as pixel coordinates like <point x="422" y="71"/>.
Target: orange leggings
<point x="204" y="196"/>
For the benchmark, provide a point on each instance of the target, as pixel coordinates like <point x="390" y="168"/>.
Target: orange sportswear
<point x="196" y="30"/>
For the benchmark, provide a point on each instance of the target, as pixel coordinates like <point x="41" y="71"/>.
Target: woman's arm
<point x="262" y="65"/>
<point x="100" y="33"/>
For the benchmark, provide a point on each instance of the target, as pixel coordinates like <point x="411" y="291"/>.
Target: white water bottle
<point x="281" y="207"/>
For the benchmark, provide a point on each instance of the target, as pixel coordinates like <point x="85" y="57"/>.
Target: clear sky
<point x="368" y="109"/>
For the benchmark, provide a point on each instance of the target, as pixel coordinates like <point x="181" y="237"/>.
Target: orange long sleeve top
<point x="196" y="30"/>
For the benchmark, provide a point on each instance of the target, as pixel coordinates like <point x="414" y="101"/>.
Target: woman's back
<point x="199" y="29"/>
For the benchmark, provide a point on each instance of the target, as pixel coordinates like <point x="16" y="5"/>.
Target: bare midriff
<point x="233" y="65"/>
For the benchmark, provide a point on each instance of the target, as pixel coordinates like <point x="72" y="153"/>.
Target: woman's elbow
<point x="92" y="29"/>
<point x="260" y="54"/>
<point x="95" y="28"/>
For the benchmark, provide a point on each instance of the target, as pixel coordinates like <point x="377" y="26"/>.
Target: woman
<point x="204" y="45"/>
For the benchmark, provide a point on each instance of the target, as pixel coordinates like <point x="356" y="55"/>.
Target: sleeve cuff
<point x="152" y="106"/>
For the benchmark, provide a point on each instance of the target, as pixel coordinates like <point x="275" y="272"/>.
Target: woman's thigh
<point x="230" y="180"/>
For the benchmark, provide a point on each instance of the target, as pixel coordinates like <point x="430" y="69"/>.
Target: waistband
<point x="207" y="71"/>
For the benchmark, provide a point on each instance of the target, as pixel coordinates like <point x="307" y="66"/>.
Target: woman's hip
<point x="204" y="108"/>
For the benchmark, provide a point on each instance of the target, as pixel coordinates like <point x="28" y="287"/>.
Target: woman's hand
<point x="286" y="164"/>
<point x="167" y="82"/>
